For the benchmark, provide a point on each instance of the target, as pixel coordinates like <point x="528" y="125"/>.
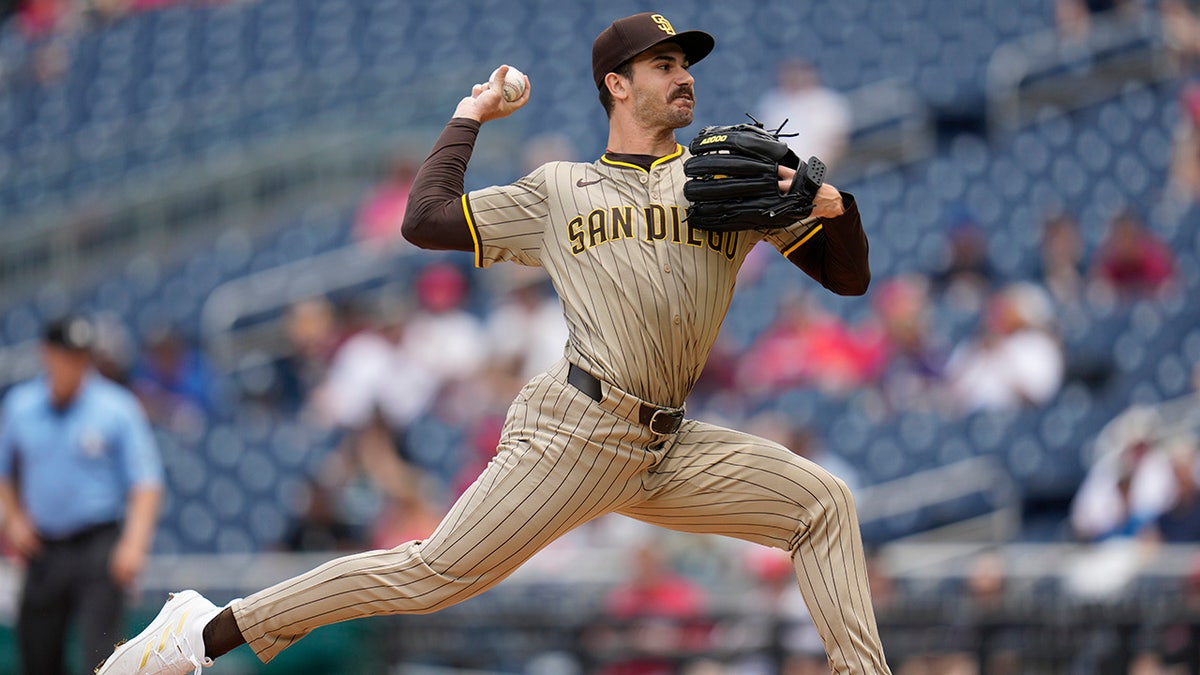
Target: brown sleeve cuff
<point x="837" y="256"/>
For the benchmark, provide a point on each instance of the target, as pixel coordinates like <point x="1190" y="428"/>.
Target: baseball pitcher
<point x="644" y="287"/>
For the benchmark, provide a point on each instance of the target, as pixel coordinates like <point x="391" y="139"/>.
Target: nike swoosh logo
<point x="584" y="183"/>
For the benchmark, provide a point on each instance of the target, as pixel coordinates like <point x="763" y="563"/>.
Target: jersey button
<point x="676" y="320"/>
<point x="642" y="178"/>
<point x="667" y="269"/>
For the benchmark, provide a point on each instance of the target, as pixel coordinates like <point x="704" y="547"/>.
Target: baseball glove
<point x="733" y="179"/>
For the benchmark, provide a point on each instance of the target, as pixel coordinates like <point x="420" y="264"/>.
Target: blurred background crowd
<point x="219" y="186"/>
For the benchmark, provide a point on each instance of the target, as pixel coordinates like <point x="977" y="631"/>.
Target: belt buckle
<point x="665" y="421"/>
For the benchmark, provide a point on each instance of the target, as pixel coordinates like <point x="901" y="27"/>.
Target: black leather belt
<point x="659" y="420"/>
<point x="82" y="535"/>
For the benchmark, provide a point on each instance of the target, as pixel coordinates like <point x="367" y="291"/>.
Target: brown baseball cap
<point x="628" y="37"/>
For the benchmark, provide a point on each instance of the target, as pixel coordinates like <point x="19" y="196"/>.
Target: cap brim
<point x="696" y="44"/>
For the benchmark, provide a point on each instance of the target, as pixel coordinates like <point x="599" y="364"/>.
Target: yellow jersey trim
<point x="803" y="240"/>
<point x="673" y="155"/>
<point x="660" y="160"/>
<point x="474" y="232"/>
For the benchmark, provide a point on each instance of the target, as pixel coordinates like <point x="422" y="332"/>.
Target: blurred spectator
<point x="966" y="277"/>
<point x="8" y="8"/>
<point x="988" y="597"/>
<point x="80" y="487"/>
<point x="44" y="24"/>
<point x="377" y="489"/>
<point x="803" y="441"/>
<point x="173" y="381"/>
<point x="42" y="18"/>
<point x="1131" y="261"/>
<point x="38" y="19"/>
<point x="1062" y="268"/>
<point x="1072" y="19"/>
<point x="1181" y="30"/>
<point x="716" y="391"/>
<point x="1014" y="361"/>
<point x="818" y="115"/>
<point x="100" y="11"/>
<point x="1180" y="523"/>
<point x="357" y="313"/>
<point x="473" y="384"/>
<point x="459" y="433"/>
<point x="1123" y="492"/>
<point x="1075" y="19"/>
<point x="411" y="514"/>
<point x="366" y="495"/>
<point x="374" y="382"/>
<point x="915" y="364"/>
<point x="146" y="5"/>
<point x="807" y="346"/>
<point x="987" y="580"/>
<point x="380" y="215"/>
<point x="655" y="615"/>
<point x="311" y="330"/>
<point x="318" y="526"/>
<point x="1184" y="179"/>
<point x="441" y="334"/>
<point x="50" y="25"/>
<point x="526" y="330"/>
<point x="480" y="449"/>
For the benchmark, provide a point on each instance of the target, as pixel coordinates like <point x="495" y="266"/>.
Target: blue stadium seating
<point x="175" y="82"/>
<point x="152" y="93"/>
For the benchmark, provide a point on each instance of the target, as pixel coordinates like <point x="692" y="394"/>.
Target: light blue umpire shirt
<point x="76" y="466"/>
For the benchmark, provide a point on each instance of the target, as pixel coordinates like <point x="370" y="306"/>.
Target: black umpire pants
<point x="70" y="580"/>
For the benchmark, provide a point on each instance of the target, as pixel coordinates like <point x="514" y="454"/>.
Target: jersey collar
<point x="85" y="385"/>
<point x="612" y="162"/>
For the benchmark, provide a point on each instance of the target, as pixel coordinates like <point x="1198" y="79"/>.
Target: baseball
<point x="514" y="85"/>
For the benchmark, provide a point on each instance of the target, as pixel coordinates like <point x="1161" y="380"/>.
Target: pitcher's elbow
<point x="413" y="231"/>
<point x="854" y="288"/>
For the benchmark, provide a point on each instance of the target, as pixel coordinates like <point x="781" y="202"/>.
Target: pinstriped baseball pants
<point x="564" y="459"/>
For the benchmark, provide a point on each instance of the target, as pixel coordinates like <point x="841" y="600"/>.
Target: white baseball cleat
<point x="173" y="643"/>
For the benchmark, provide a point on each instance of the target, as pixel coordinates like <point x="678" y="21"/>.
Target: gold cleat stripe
<point x="179" y="627"/>
<point x="145" y="655"/>
<point x="163" y="642"/>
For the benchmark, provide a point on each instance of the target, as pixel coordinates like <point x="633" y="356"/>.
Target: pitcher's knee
<point x="447" y="581"/>
<point x="833" y="488"/>
<point x="841" y="490"/>
<point x="827" y="504"/>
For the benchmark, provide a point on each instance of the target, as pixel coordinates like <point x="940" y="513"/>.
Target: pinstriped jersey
<point x="643" y="293"/>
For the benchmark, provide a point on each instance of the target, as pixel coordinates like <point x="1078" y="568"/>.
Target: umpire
<point x="80" y="486"/>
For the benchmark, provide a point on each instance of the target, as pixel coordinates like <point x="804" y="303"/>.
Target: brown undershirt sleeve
<point x="837" y="255"/>
<point x="434" y="218"/>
